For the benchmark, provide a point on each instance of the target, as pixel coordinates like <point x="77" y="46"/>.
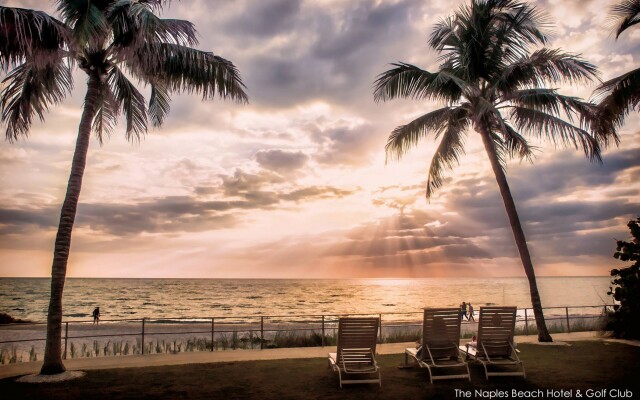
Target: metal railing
<point x="318" y="322"/>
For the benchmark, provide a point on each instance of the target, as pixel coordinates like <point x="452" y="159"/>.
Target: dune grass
<point x="583" y="365"/>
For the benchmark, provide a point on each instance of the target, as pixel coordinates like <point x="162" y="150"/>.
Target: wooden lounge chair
<point x="356" y="351"/>
<point x="494" y="346"/>
<point x="440" y="340"/>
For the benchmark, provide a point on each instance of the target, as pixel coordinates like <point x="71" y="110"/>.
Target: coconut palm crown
<point x="492" y="81"/>
<point x="618" y="96"/>
<point x="111" y="41"/>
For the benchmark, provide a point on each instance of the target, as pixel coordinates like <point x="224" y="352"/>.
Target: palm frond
<point x="156" y="5"/>
<point x="484" y="36"/>
<point x="134" y="24"/>
<point x="87" y="19"/>
<point x="406" y="80"/>
<point x="29" y="91"/>
<point x="482" y="109"/>
<point x="448" y="153"/>
<point x="588" y="115"/>
<point x="32" y="36"/>
<point x="625" y="14"/>
<point x="550" y="101"/>
<point x="544" y="66"/>
<point x="407" y="136"/>
<point x="603" y="123"/>
<point x="131" y="101"/>
<point x="444" y="35"/>
<point x="183" y="69"/>
<point x="512" y="144"/>
<point x="517" y="27"/>
<point x="508" y="142"/>
<point x="107" y="113"/>
<point x="618" y="96"/>
<point x="159" y="103"/>
<point x="556" y="130"/>
<point x="524" y="22"/>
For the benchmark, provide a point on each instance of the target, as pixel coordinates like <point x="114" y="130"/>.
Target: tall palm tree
<point x="618" y="96"/>
<point x="492" y="82"/>
<point x="109" y="40"/>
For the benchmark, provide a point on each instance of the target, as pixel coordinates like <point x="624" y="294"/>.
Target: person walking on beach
<point x="463" y="310"/>
<point x="470" y="316"/>
<point x="96" y="315"/>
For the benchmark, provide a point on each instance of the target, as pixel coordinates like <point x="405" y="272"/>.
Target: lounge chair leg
<point x="430" y="375"/>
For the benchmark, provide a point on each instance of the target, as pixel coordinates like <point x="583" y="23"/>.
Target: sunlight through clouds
<point x="295" y="184"/>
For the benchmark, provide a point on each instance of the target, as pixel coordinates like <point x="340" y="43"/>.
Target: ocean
<point x="27" y="298"/>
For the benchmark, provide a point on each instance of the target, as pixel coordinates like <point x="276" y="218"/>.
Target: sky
<point x="295" y="185"/>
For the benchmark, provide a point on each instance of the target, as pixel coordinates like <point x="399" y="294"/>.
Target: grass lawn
<point x="583" y="365"/>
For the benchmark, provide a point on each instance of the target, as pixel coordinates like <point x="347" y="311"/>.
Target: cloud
<point x="244" y="184"/>
<point x="265" y="18"/>
<point x="316" y="192"/>
<point x="281" y="160"/>
<point x="293" y="52"/>
<point x="345" y="144"/>
<point x="222" y="206"/>
<point x="308" y="148"/>
<point x="566" y="207"/>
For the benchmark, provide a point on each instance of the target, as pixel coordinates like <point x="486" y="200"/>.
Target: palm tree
<point x="109" y="40"/>
<point x="618" y="96"/>
<point x="492" y="82"/>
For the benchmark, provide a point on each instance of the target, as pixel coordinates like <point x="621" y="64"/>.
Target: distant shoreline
<point x="8" y="319"/>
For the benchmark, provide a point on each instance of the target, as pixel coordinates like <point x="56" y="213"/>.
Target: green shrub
<point x="624" y="321"/>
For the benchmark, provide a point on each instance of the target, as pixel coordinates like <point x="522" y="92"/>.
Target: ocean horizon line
<point x="307" y="279"/>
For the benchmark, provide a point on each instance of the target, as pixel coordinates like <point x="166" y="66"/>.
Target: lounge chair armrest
<point x="515" y="351"/>
<point x="486" y="353"/>
<point x="443" y="346"/>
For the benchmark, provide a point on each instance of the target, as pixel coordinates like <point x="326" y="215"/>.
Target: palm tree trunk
<point x="53" y="348"/>
<point x="518" y="233"/>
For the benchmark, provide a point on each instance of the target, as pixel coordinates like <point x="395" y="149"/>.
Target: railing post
<point x="566" y="309"/>
<point x="380" y="315"/>
<point x="142" y="351"/>
<point x="261" y="332"/>
<point x="66" y="338"/>
<point x="213" y="330"/>
<point x="323" y="331"/>
<point x="526" y="322"/>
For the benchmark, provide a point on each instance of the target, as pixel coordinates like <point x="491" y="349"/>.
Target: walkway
<point x="134" y="361"/>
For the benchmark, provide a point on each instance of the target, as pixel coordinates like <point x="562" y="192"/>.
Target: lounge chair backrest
<point x="495" y="330"/>
<point x="357" y="333"/>
<point x="441" y="332"/>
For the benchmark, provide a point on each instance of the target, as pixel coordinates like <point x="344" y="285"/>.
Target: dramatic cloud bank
<point x="295" y="183"/>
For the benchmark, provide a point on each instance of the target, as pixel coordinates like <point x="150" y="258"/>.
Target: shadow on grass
<point x="583" y="365"/>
